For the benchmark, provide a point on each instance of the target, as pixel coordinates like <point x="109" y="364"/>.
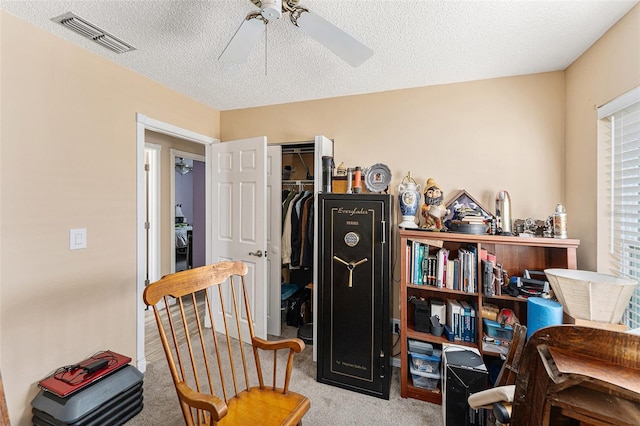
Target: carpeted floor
<point x="329" y="405"/>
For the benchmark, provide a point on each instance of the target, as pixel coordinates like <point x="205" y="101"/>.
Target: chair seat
<point x="266" y="407"/>
<point x="488" y="397"/>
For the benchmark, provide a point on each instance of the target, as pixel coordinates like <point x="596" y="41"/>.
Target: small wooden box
<point x="568" y="319"/>
<point x="339" y="185"/>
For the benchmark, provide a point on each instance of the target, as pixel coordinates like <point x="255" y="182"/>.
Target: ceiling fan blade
<point x="333" y="38"/>
<point x="240" y="45"/>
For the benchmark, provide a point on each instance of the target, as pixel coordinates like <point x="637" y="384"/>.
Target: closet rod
<point x="297" y="183"/>
<point x="304" y="150"/>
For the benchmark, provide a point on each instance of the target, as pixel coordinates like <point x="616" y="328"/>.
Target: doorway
<point x="143" y="124"/>
<point x="188" y="192"/>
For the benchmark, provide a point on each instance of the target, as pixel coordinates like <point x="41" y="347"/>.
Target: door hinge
<point x="147" y="225"/>
<point x="147" y="167"/>
<point x="147" y="282"/>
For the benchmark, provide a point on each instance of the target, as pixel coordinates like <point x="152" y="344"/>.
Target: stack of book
<point x="422" y="265"/>
<point x="462" y="319"/>
<point x="473" y="220"/>
<point x="431" y="264"/>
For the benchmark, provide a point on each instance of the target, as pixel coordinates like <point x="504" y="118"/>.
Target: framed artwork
<point x="462" y="201"/>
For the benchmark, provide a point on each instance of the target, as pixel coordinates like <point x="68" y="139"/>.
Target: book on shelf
<point x="430" y="269"/>
<point x="417" y="251"/>
<point x="484" y="254"/>
<point x="468" y="322"/>
<point x="418" y="255"/>
<point x="498" y="279"/>
<point x="441" y="267"/>
<point x="473" y="269"/>
<point x="468" y="271"/>
<point x="408" y="270"/>
<point x="453" y="317"/>
<point x="456" y="274"/>
<point x="488" y="279"/>
<point x="450" y="274"/>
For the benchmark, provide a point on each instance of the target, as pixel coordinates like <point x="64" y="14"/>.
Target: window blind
<point x="622" y="165"/>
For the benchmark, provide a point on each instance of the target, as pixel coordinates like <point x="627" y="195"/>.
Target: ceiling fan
<point x="333" y="38"/>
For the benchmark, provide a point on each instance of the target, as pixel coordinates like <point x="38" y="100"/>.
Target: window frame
<point x="626" y="263"/>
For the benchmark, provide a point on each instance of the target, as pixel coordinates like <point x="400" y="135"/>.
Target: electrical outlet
<point x="395" y="326"/>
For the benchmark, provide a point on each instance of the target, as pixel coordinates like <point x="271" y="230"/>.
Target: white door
<point x="274" y="231"/>
<point x="239" y="222"/>
<point x="322" y="146"/>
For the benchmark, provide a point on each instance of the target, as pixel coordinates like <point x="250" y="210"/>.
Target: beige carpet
<point x="329" y="405"/>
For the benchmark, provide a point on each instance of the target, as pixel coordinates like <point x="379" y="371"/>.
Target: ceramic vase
<point x="409" y="198"/>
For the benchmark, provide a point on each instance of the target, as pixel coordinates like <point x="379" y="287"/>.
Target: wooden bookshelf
<point x="515" y="254"/>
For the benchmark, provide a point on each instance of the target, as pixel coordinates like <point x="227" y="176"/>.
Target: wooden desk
<point x="571" y="373"/>
<point x="592" y="390"/>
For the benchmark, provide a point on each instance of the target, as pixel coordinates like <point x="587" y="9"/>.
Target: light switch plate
<point x="77" y="238"/>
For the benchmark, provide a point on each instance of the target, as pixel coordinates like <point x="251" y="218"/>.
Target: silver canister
<point x="503" y="213"/>
<point x="349" y="178"/>
<point x="560" y="222"/>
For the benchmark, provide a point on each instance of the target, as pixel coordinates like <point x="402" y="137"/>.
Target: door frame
<point x="144" y="123"/>
<point x="152" y="159"/>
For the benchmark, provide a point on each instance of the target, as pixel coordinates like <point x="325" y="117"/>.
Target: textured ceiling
<point x="416" y="43"/>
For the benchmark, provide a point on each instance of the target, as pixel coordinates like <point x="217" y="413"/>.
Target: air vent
<point x="92" y="32"/>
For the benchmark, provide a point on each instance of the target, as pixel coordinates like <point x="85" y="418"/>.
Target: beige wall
<point x="608" y="69"/>
<point x="477" y="136"/>
<point x="482" y="137"/>
<point x="69" y="161"/>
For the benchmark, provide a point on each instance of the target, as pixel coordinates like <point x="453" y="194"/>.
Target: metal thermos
<point x="560" y="222"/>
<point x="327" y="173"/>
<point x="503" y="213"/>
<point x="349" y="179"/>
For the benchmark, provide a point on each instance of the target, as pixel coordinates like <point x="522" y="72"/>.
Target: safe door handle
<point x="257" y="253"/>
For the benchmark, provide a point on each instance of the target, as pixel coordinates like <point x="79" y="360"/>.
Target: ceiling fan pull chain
<point x="266" y="36"/>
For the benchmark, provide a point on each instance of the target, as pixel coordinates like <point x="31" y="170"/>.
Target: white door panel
<point x="322" y="146"/>
<point x="239" y="222"/>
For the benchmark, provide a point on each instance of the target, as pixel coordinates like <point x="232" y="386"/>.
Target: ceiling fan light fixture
<point x="271" y="9"/>
<point x="182" y="167"/>
<point x="330" y="36"/>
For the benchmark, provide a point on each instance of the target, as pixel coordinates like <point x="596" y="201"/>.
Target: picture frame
<point x="463" y="198"/>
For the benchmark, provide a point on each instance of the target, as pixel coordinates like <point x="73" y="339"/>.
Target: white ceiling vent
<point x="92" y="32"/>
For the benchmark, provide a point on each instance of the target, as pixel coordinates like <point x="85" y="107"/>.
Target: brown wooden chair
<point x="215" y="382"/>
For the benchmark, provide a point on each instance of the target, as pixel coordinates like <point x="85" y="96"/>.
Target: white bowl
<point x="591" y="295"/>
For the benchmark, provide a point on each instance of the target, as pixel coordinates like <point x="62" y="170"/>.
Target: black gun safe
<point x="354" y="292"/>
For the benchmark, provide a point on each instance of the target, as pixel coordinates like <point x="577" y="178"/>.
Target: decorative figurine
<point x="434" y="209"/>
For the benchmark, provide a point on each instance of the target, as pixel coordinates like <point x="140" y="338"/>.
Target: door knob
<point x="257" y="253"/>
